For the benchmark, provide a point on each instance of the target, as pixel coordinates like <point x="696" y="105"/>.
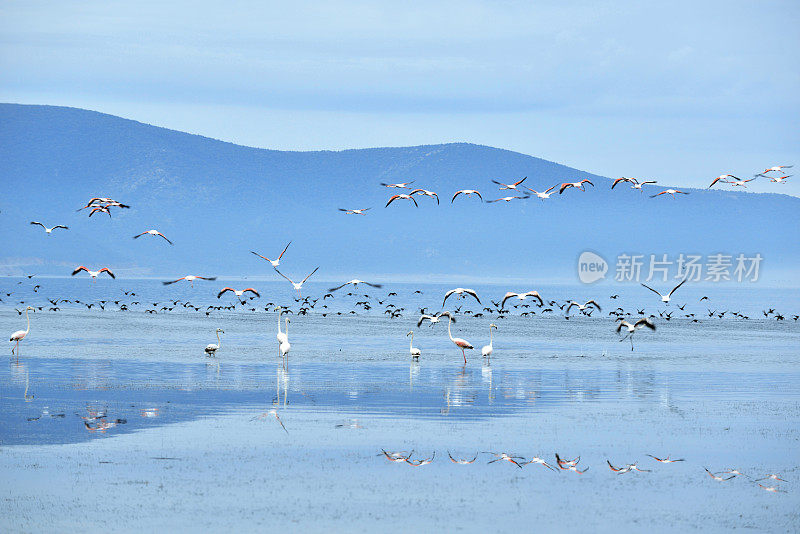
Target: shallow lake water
<point x="114" y="420"/>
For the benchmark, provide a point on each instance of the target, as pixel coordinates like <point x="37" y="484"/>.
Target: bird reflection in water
<point x="97" y="421"/>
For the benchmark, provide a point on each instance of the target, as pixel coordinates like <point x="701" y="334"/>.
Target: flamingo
<point x="462" y="292"/>
<point x="49" y="230"/>
<point x="355" y="212"/>
<point x="190" y="278"/>
<point x="277" y="262"/>
<point x="542" y="195"/>
<point x="238" y="292"/>
<point x="426" y="193"/>
<point x="462" y="344"/>
<point x="415" y="352"/>
<point x="404" y="197"/>
<point x="432" y="318"/>
<point x="93" y="274"/>
<point x="486" y="351"/>
<point x="211" y="349"/>
<point x="466" y="192"/>
<point x="582" y="307"/>
<point x="507" y="199"/>
<point x="154" y="232"/>
<point x="281" y="336"/>
<point x="671" y="193"/>
<point x="779" y="179"/>
<point x="623" y="179"/>
<point x="402" y="185"/>
<point x="101" y="209"/>
<point x="632" y="328"/>
<point x="638" y="185"/>
<point x="99" y="200"/>
<point x="741" y="183"/>
<point x="285" y="346"/>
<point x="355" y="283"/>
<point x="509" y="186"/>
<point x="578" y="185"/>
<point x="665" y="298"/>
<point x="19" y="335"/>
<point x="723" y="178"/>
<point x="778" y="168"/>
<point x="297" y="286"/>
<point x="521" y="296"/>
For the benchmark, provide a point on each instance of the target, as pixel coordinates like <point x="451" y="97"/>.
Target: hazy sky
<point x="675" y="91"/>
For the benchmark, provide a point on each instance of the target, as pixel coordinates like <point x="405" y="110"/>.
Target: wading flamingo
<point x="19" y="335"/>
<point x="487" y="349"/>
<point x="415" y="352"/>
<point x="462" y="344"/>
<point x="211" y="349"/>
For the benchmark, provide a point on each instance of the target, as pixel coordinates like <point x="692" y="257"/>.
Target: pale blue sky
<point x="677" y="91"/>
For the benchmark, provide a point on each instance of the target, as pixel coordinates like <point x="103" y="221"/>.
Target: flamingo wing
<point x="79" y="269"/>
<point x="284" y="249"/>
<point x="309" y="276"/>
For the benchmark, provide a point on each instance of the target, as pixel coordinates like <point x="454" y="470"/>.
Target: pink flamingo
<point x="462" y="344"/>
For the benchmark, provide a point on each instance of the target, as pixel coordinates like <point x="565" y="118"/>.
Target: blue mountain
<point x="217" y="201"/>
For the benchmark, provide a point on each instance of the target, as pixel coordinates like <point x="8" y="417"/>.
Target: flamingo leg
<point x="631" y="342"/>
<point x="464" y="355"/>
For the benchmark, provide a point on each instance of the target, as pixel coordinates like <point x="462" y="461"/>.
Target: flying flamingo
<point x="723" y="178"/>
<point x="404" y="197"/>
<point x="778" y="168"/>
<point x="578" y="185"/>
<point x="462" y="344"/>
<point x="638" y="185"/>
<point x="101" y="209"/>
<point x="49" y="230"/>
<point x="507" y="199"/>
<point x="521" y="296"/>
<point x="665" y="298"/>
<point x="487" y="350"/>
<point x="426" y="193"/>
<point x="355" y="283"/>
<point x="461" y="292"/>
<point x="542" y="195"/>
<point x="154" y="232"/>
<point x="402" y="185"/>
<point x="741" y="183"/>
<point x="355" y="212"/>
<point x="632" y="328"/>
<point x="623" y="179"/>
<point x="238" y="292"/>
<point x="297" y="286"/>
<point x="466" y="192"/>
<point x="779" y="179"/>
<point x="211" y="349"/>
<point x="671" y="193"/>
<point x="190" y="278"/>
<point x="277" y="262"/>
<point x="509" y="186"/>
<point x="415" y="352"/>
<point x="93" y="274"/>
<point x="19" y="335"/>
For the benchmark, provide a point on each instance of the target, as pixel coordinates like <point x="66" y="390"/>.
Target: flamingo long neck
<point x="411" y="344"/>
<point x="279" y="322"/>
<point x="491" y="339"/>
<point x="219" y="341"/>
<point x="29" y="322"/>
<point x="450" y="320"/>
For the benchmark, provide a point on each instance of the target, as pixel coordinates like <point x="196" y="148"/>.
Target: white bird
<point x="355" y="212"/>
<point x="723" y="178"/>
<point x="462" y="344"/>
<point x="49" y="230"/>
<point x="665" y="298"/>
<point x="415" y="352"/>
<point x="280" y="335"/>
<point x="583" y="307"/>
<point x="461" y="292"/>
<point x="432" y="318"/>
<point x="93" y="274"/>
<point x="190" y="278"/>
<point x="297" y="286"/>
<point x="543" y="195"/>
<point x="578" y="185"/>
<point x="779" y="179"/>
<point x="238" y="292"/>
<point x="507" y="199"/>
<point x="486" y="351"/>
<point x="402" y="185"/>
<point x="154" y="232"/>
<point x="277" y="262"/>
<point x="521" y="296"/>
<point x="509" y="186"/>
<point x="19" y="335"/>
<point x="285" y="347"/>
<point x="426" y="193"/>
<point x="638" y="185"/>
<point x="355" y="283"/>
<point x="211" y="349"/>
<point x="466" y="192"/>
<point x="404" y="197"/>
<point x="671" y="193"/>
<point x="741" y="183"/>
<point x="632" y="328"/>
<point x="778" y="168"/>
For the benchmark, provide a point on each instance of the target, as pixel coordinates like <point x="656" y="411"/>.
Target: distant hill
<point x="218" y="200"/>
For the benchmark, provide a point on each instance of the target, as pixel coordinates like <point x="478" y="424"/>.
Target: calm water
<point x="115" y="420"/>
